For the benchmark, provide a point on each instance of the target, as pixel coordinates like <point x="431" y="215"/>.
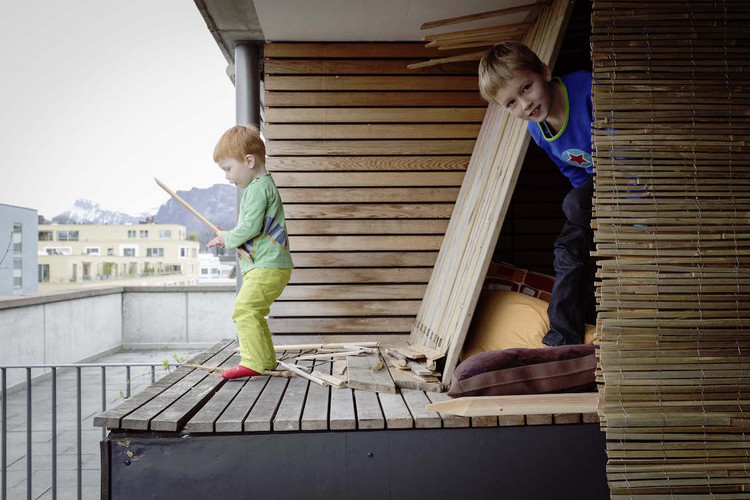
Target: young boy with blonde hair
<point x="261" y="231"/>
<point x="559" y="112"/>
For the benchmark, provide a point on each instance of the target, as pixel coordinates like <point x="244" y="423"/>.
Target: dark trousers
<point x="572" y="303"/>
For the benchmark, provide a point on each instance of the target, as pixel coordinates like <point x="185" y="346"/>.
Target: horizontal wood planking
<point x="370" y="83"/>
<point x="353" y="292"/>
<point x="379" y="164"/>
<point x="384" y="99"/>
<point x="389" y="226"/>
<point x="371" y="131"/>
<point x="368" y="211"/>
<point x="341" y="325"/>
<point x="364" y="259"/>
<point x="370" y="147"/>
<point x="374" y="115"/>
<point x="345" y="308"/>
<point x="368" y="157"/>
<point x="358" y="67"/>
<point x="373" y="243"/>
<point x="333" y="50"/>
<point x="361" y="275"/>
<point x="368" y="194"/>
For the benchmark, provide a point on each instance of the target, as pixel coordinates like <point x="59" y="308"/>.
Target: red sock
<point x="238" y="371"/>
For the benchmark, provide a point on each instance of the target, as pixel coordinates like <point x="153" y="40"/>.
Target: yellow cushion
<point x="507" y="320"/>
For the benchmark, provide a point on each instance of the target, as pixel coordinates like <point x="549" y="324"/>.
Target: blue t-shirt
<point x="570" y="148"/>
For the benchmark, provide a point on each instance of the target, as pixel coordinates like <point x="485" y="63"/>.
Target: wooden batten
<point x="673" y="239"/>
<point x="369" y="157"/>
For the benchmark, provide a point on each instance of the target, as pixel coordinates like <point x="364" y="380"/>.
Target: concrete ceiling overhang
<point x="246" y="21"/>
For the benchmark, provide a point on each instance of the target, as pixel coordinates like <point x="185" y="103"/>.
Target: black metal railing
<point x="30" y="386"/>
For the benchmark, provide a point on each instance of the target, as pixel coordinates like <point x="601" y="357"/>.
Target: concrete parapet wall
<point x="77" y="326"/>
<point x="177" y="315"/>
<point x="59" y="328"/>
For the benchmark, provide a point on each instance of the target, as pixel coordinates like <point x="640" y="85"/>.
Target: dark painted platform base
<point x="525" y="463"/>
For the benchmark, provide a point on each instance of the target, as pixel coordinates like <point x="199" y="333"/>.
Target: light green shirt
<point x="261" y="227"/>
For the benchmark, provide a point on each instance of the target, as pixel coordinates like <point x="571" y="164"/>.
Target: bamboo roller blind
<point x="671" y="204"/>
<point x="368" y="157"/>
<point x="453" y="290"/>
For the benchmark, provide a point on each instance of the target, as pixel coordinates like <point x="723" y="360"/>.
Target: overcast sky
<point x="97" y="97"/>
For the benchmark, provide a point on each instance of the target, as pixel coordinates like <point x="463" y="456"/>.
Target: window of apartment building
<point x="17" y="255"/>
<point x="46" y="236"/>
<point x="131" y="234"/>
<point x="129" y="251"/>
<point x="165" y="233"/>
<point x="17" y="272"/>
<point x="184" y="252"/>
<point x="17" y="238"/>
<point x="193" y="252"/>
<point x="67" y="235"/>
<point x="58" y="250"/>
<point x="110" y="251"/>
<point x="92" y="251"/>
<point x="144" y="233"/>
<point x="154" y="252"/>
<point x="204" y="271"/>
<point x="43" y="273"/>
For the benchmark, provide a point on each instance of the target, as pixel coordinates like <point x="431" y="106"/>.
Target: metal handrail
<point x="53" y="386"/>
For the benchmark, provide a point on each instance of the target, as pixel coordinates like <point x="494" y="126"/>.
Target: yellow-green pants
<point x="261" y="286"/>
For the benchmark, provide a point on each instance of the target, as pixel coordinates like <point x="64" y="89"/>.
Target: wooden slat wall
<point x="368" y="157"/>
<point x="672" y="195"/>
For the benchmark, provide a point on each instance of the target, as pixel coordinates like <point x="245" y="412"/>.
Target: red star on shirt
<point x="578" y="159"/>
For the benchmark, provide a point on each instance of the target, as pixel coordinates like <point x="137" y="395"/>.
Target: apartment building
<point x="18" y="259"/>
<point x="82" y="253"/>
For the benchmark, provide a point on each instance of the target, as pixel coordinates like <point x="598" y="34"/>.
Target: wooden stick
<point x="473" y="56"/>
<point x="330" y="355"/>
<point x="302" y="373"/>
<point x="207" y="222"/>
<point x="483" y="15"/>
<point x="532" y="404"/>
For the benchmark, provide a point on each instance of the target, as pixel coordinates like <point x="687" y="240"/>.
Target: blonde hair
<point x="500" y="63"/>
<point x="240" y="141"/>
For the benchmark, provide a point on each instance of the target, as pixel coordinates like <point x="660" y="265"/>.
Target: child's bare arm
<point x="218" y="240"/>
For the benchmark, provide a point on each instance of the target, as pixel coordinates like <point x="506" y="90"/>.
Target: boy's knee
<point x="576" y="210"/>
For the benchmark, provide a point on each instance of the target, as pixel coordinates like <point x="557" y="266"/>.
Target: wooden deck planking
<point x="113" y="417"/>
<point x="342" y="410"/>
<point x="203" y="403"/>
<point x="449" y="421"/>
<point x="396" y="413"/>
<point x="289" y="414"/>
<point x="263" y="412"/>
<point x="205" y="419"/>
<point x="423" y="418"/>
<point x="315" y="412"/>
<point x="234" y="415"/>
<point x="369" y="414"/>
<point x="141" y="418"/>
<point x="177" y="414"/>
<point x="489" y="421"/>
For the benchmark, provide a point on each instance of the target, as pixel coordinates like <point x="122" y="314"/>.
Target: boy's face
<point x="527" y="95"/>
<point x="239" y="173"/>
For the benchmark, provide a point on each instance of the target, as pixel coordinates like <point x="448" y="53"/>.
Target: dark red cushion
<point x="526" y="371"/>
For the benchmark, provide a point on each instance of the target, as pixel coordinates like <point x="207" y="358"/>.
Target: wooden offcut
<point x="530" y="404"/>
